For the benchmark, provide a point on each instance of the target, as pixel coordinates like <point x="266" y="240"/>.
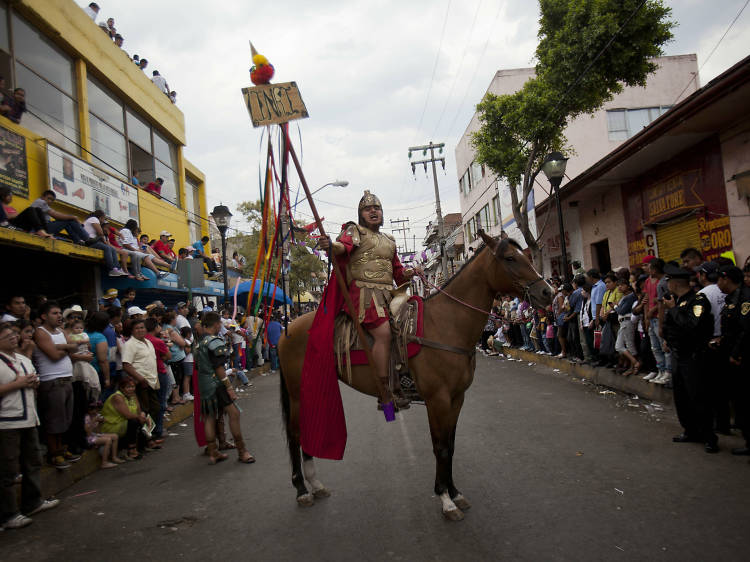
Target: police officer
<point x="734" y="344"/>
<point x="688" y="327"/>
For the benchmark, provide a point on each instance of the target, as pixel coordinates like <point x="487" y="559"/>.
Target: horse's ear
<point x="487" y="239"/>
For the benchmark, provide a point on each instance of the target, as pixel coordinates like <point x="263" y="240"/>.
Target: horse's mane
<point x="500" y="249"/>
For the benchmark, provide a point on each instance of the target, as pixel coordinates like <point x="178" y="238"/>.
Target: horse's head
<point x="512" y="273"/>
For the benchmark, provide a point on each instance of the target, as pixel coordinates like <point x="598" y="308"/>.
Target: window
<point x="466" y="181"/>
<point x="6" y="63"/>
<point x="496" y="210"/>
<point x="105" y="106"/>
<point x="624" y="123"/>
<point x="138" y="131"/>
<point x="484" y="214"/>
<point x="109" y="148"/>
<point x="36" y="52"/>
<point x="192" y="206"/>
<point x="477" y="173"/>
<point x="169" y="189"/>
<point x="55" y="115"/>
<point x="165" y="151"/>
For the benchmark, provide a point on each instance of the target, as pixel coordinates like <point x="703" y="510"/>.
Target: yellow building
<point x="94" y="122"/>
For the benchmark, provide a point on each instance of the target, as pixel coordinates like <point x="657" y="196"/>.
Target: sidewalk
<point x="54" y="481"/>
<point x="633" y="384"/>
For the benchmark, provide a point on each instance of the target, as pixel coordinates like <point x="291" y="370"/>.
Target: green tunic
<point x="210" y="352"/>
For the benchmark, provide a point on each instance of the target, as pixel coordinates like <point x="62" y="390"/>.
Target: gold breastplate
<point x="372" y="260"/>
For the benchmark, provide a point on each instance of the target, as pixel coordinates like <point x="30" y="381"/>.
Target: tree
<point x="302" y="263"/>
<point x="588" y="51"/>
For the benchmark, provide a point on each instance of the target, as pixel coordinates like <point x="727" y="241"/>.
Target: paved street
<point x="554" y="470"/>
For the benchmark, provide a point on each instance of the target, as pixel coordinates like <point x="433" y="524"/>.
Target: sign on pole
<point x="270" y="104"/>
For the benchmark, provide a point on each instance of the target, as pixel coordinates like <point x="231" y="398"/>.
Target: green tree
<point x="302" y="263"/>
<point x="588" y="51"/>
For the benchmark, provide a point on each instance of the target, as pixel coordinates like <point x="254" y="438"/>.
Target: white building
<point x="486" y="202"/>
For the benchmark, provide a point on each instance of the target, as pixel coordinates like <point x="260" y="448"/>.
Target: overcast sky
<point x="375" y="76"/>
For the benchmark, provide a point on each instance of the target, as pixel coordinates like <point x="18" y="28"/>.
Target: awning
<point x="166" y="284"/>
<point x="270" y="292"/>
<point x="306" y="297"/>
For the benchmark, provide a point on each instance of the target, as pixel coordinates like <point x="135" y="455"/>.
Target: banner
<point x="82" y="185"/>
<point x="13" y="169"/>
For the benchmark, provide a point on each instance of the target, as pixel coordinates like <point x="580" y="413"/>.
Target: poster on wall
<point x="82" y="185"/>
<point x="13" y="169"/>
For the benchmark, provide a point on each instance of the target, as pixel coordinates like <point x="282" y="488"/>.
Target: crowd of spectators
<point x="104" y="379"/>
<point x="108" y="27"/>
<point x="617" y="321"/>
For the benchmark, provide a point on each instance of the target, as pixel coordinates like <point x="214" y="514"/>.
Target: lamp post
<point x="337" y="183"/>
<point x="222" y="217"/>
<point x="554" y="168"/>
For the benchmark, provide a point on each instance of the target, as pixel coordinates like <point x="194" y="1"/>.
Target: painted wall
<point x="735" y="157"/>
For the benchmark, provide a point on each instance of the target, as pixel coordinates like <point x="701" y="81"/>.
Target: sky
<point x="376" y="76"/>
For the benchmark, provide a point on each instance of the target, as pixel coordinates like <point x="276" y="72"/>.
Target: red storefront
<point x="679" y="204"/>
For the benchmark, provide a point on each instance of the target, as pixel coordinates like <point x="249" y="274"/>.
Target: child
<point x="107" y="441"/>
<point x="187" y="363"/>
<point x="549" y="334"/>
<point x="83" y="370"/>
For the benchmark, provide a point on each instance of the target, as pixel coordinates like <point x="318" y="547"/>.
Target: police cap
<point x="676" y="272"/>
<point x="731" y="272"/>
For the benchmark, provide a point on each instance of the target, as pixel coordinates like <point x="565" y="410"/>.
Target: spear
<point x="388" y="409"/>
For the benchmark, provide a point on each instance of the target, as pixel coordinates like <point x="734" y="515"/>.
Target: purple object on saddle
<point x="389" y="411"/>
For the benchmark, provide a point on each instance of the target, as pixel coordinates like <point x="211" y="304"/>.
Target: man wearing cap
<point x="162" y="247"/>
<point x="136" y="313"/>
<point x="372" y="265"/>
<point x="708" y="274"/>
<point x="734" y="344"/>
<point x="688" y="327"/>
<point x="182" y="310"/>
<point x="109" y="299"/>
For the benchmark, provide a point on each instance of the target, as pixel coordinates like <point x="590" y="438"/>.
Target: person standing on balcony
<point x="160" y="82"/>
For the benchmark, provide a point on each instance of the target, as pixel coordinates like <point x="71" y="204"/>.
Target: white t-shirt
<point x="182" y="322"/>
<point x="716" y="298"/>
<point x="17" y="407"/>
<point x="89" y="228"/>
<point x="90" y="13"/>
<point x="128" y="238"/>
<point x="188" y="356"/>
<point x="161" y="83"/>
<point x="8" y="318"/>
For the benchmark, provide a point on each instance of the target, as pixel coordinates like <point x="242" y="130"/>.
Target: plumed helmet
<point x="369" y="199"/>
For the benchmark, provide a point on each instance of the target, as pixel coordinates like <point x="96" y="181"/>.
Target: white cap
<point x="133" y="310"/>
<point x="165" y="233"/>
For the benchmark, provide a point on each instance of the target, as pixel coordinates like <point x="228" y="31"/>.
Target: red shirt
<point x="160" y="246"/>
<point x="650" y="288"/>
<point x="154" y="187"/>
<point x="161" y="351"/>
<point x="112" y="236"/>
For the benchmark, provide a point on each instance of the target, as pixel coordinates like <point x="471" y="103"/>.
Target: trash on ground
<point x="619" y="491"/>
<point x="173" y="434"/>
<point x="555" y="370"/>
<point x="619" y="548"/>
<point x="183" y="425"/>
<point x="605" y="392"/>
<point x="579" y="453"/>
<point x="532" y="364"/>
<point x="100" y="513"/>
<point x="84" y="494"/>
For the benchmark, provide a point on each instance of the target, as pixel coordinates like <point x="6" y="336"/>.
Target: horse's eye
<point x="510" y="258"/>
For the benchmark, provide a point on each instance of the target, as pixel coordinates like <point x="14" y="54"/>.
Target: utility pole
<point x="403" y="229"/>
<point x="431" y="160"/>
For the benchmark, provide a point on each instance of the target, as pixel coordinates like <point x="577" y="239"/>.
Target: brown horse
<point x="441" y="376"/>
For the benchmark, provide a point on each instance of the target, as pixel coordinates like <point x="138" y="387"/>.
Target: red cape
<point x="322" y="422"/>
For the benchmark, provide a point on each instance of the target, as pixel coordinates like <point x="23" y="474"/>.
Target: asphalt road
<point x="554" y="470"/>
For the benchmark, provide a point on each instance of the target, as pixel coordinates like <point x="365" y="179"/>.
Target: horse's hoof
<point x="322" y="493"/>
<point x="306" y="500"/>
<point x="461" y="502"/>
<point x="453" y="514"/>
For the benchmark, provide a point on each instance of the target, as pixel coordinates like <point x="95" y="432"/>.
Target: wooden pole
<point x="340" y="278"/>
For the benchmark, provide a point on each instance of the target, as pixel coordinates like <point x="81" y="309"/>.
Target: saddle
<point x="406" y="325"/>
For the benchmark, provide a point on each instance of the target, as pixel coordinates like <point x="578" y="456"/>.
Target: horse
<point x="441" y="376"/>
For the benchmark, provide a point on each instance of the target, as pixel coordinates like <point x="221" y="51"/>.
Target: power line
<point x="434" y="68"/>
<point x="712" y="51"/>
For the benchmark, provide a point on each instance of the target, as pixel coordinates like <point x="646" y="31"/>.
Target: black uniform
<point x="735" y="343"/>
<point x="688" y="327"/>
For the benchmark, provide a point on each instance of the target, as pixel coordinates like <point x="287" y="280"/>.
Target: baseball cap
<point x="180" y="304"/>
<point x="708" y="267"/>
<point x="110" y="293"/>
<point x="648" y="258"/>
<point x="133" y="310"/>
<point x="165" y="233"/>
<point x="676" y="272"/>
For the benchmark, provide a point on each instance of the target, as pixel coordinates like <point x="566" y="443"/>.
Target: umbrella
<point x="270" y="291"/>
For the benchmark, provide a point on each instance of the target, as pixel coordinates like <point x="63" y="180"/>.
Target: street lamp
<point x="222" y="217"/>
<point x="337" y="183"/>
<point x="554" y="168"/>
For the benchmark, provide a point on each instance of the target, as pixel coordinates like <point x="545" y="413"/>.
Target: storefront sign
<point x="674" y="195"/>
<point x="642" y="247"/>
<point x="82" y="185"/>
<point x="716" y="237"/>
<point x="13" y="169"/>
<point x="274" y="103"/>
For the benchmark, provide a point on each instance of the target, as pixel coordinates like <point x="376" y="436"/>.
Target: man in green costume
<point x="216" y="392"/>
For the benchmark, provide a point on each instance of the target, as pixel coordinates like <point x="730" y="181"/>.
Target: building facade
<point x="94" y="123"/>
<point x="679" y="183"/>
<point x="486" y="202"/>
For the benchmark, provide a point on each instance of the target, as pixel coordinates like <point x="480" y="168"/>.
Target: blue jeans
<point x="72" y="227"/>
<point x="164" y="391"/>
<point x="274" y="358"/>
<point x="663" y="360"/>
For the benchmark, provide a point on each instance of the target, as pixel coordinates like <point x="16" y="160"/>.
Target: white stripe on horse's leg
<point x="318" y="490"/>
<point x="449" y="508"/>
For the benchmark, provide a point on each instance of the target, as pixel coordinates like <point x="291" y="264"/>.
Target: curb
<point x="598" y="375"/>
<point x="54" y="481"/>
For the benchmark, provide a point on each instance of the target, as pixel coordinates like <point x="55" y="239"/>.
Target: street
<point x="554" y="469"/>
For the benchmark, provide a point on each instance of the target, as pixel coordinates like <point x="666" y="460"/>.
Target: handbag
<point x="597" y="339"/>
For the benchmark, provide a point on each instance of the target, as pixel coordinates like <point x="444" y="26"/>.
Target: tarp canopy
<point x="306" y="297"/>
<point x="270" y="291"/>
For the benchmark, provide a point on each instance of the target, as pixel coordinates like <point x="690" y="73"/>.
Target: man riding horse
<point x="372" y="265"/>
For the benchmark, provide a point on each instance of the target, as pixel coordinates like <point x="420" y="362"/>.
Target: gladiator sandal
<point x="214" y="456"/>
<point x="243" y="455"/>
